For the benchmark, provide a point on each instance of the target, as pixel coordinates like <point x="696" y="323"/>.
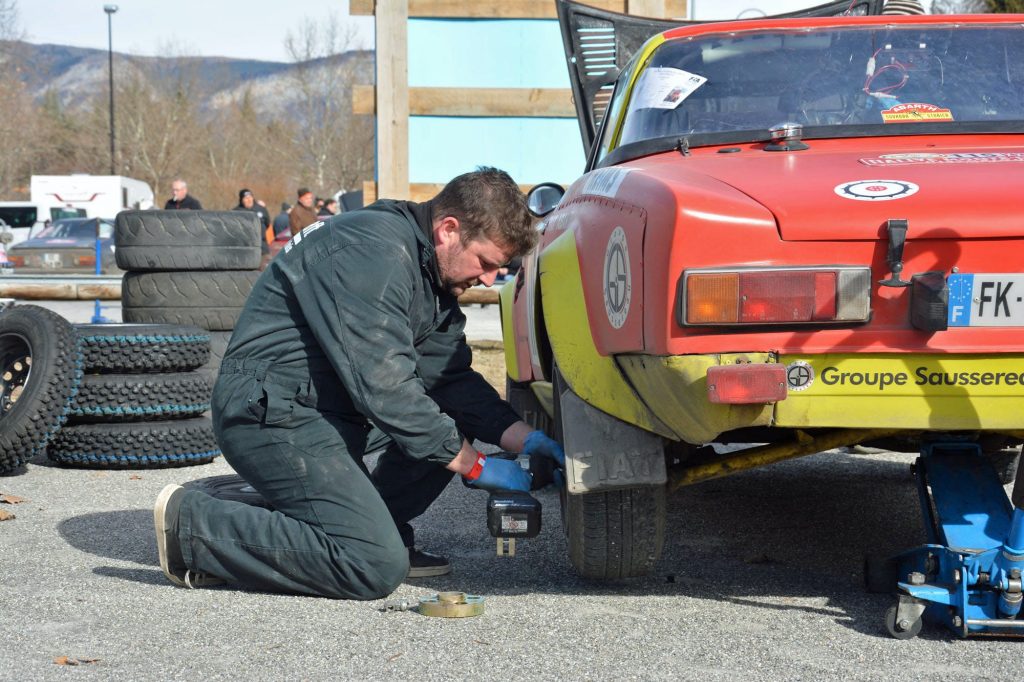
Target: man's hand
<point x="538" y="443"/>
<point x="493" y="473"/>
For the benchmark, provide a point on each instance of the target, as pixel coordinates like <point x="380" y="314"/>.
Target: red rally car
<point x="802" y="232"/>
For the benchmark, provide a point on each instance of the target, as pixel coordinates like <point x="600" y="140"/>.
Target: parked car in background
<point x="67" y="246"/>
<point x="25" y="219"/>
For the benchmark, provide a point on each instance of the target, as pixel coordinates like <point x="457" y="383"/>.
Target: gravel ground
<point x="760" y="580"/>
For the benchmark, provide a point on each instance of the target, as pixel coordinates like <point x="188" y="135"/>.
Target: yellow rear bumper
<point x="850" y="391"/>
<point x="937" y="392"/>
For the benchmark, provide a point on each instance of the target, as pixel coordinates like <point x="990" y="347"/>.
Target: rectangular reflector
<point x="745" y="384"/>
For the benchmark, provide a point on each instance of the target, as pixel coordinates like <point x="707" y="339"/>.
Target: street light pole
<point x="110" y="9"/>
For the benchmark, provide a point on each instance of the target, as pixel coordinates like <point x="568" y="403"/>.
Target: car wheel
<point x="187" y="240"/>
<point x="229" y="487"/>
<point x="40" y="369"/>
<point x="143" y="347"/>
<point x="211" y="300"/>
<point x="138" y="397"/>
<point x="612" y="534"/>
<point x="140" y="445"/>
<point x="520" y="396"/>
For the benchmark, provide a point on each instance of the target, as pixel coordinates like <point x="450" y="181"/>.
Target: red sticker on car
<point x="916" y="112"/>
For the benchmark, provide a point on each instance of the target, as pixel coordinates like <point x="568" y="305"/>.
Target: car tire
<point x="140" y="445"/>
<point x="40" y="369"/>
<point x="520" y="396"/>
<point x="140" y="397"/>
<point x="218" y="346"/>
<point x="148" y="241"/>
<point x="229" y="487"/>
<point x="210" y="300"/>
<point x="126" y="348"/>
<point x="612" y="534"/>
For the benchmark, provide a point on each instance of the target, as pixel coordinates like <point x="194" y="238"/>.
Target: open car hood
<point x="833" y="193"/>
<point x="598" y="44"/>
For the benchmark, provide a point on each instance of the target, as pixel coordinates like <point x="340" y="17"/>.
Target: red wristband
<point x="474" y="473"/>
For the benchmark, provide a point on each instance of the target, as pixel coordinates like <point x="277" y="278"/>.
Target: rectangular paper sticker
<point x="664" y="88"/>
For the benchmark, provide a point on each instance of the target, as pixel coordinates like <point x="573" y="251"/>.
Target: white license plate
<point x="52" y="260"/>
<point x="986" y="300"/>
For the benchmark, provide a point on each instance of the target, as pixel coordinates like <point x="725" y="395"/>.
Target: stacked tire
<point x="140" y="400"/>
<point x="40" y="372"/>
<point x="188" y="268"/>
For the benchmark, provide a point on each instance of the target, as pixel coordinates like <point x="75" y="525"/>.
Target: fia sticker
<point x="916" y="112"/>
<point x="876" y="190"/>
<point x="618" y="284"/>
<point x="605" y="182"/>
<point x="799" y="375"/>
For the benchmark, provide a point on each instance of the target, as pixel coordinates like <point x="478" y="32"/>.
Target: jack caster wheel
<point x="904" y="629"/>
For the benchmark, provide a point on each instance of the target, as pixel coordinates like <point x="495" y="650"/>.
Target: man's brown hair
<point x="488" y="203"/>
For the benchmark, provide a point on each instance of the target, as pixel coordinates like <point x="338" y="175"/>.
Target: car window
<point x="18" y="216"/>
<point x="831" y="77"/>
<point x="73" y="229"/>
<point x="56" y="213"/>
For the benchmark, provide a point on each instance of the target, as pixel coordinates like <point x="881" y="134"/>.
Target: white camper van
<point x="71" y="196"/>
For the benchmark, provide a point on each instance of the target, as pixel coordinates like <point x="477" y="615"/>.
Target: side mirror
<point x="543" y="198"/>
<point x="6" y="237"/>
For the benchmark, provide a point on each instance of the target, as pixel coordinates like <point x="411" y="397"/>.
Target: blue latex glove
<point x="538" y="443"/>
<point x="501" y="474"/>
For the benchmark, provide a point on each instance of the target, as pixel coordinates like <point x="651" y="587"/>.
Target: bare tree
<point x="333" y="147"/>
<point x="9" y="26"/>
<point x="159" y="131"/>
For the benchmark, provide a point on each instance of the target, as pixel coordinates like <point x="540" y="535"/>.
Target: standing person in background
<point x="303" y="213"/>
<point x="180" y="198"/>
<point x="281" y="219"/>
<point x="329" y="210"/>
<point x="247" y="202"/>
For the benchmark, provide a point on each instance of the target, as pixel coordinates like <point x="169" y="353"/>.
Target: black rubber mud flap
<point x="40" y="369"/>
<point x="210" y="300"/>
<point x="127" y="348"/>
<point x="187" y="240"/>
<point x="140" y="397"/>
<point x="229" y="487"/>
<point x="140" y="445"/>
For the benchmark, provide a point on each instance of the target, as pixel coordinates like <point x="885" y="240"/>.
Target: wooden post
<point x="647" y="8"/>
<point x="393" y="99"/>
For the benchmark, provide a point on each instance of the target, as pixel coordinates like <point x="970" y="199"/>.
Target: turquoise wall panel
<point x="486" y="53"/>
<point x="532" y="150"/>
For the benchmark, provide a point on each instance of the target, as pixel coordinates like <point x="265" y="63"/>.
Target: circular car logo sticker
<point x="799" y="375"/>
<point x="618" y="284"/>
<point x="876" y="190"/>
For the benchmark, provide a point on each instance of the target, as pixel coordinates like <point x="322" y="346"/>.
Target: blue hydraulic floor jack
<point x="968" y="576"/>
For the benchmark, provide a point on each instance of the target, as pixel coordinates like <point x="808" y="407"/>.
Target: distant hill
<point x="75" y="73"/>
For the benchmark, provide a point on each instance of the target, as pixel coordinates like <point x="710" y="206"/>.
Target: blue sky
<point x="253" y="29"/>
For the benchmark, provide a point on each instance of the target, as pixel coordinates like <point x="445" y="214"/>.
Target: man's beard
<point x="445" y="261"/>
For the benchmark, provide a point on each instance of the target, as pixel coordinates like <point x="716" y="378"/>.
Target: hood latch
<point x="897" y="231"/>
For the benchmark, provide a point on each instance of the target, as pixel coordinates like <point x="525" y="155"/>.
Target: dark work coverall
<point x="346" y="342"/>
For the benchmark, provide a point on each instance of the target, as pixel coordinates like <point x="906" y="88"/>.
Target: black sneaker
<point x="165" y="517"/>
<point x="424" y="564"/>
